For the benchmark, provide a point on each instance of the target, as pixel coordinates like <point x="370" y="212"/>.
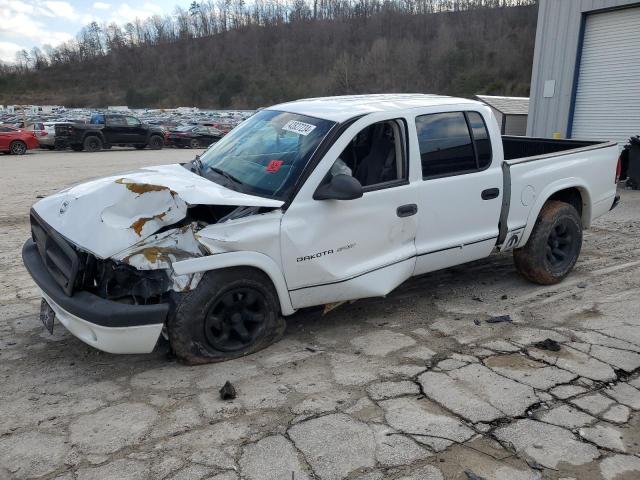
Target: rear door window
<point x="452" y="143"/>
<point x="480" y="138"/>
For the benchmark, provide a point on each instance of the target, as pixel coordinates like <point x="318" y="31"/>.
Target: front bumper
<point x="110" y="326"/>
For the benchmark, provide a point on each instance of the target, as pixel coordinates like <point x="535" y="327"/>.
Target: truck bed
<point x="534" y="168"/>
<point x="523" y="147"/>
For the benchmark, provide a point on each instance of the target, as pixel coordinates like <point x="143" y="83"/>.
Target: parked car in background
<point x="16" y="140"/>
<point x="194" y="136"/>
<point x="44" y="132"/>
<point x="105" y="131"/>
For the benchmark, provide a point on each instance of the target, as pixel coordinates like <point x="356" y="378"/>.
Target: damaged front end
<point x="128" y="231"/>
<point x="146" y="270"/>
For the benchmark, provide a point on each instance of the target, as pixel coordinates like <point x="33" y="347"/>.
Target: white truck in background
<point x="308" y="203"/>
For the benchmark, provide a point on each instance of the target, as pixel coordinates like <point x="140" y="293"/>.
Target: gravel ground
<point x="414" y="386"/>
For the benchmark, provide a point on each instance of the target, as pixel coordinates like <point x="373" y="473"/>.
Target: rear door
<point x="460" y="202"/>
<point x="115" y="129"/>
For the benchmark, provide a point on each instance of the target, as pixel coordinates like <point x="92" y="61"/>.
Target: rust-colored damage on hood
<point x="141" y="188"/>
<point x="156" y="254"/>
<point x="138" y="225"/>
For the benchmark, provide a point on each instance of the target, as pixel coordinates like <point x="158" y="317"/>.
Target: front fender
<point x="241" y="259"/>
<point x="562" y="184"/>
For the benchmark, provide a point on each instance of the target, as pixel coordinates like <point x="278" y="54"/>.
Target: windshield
<point x="265" y="154"/>
<point x="185" y="128"/>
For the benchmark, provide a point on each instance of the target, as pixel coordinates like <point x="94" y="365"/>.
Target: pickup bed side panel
<point x="533" y="181"/>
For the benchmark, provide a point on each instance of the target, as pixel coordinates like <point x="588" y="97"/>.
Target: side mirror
<point x="340" y="187"/>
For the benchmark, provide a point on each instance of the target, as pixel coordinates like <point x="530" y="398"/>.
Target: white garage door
<point x="608" y="95"/>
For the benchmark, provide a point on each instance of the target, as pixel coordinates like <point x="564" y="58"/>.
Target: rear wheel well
<point x="572" y="196"/>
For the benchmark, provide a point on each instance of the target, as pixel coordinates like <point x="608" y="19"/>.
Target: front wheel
<point x="194" y="143"/>
<point x="554" y="245"/>
<point x="18" y="148"/>
<point x="232" y="313"/>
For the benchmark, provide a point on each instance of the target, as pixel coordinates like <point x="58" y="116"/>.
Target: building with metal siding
<point x="585" y="80"/>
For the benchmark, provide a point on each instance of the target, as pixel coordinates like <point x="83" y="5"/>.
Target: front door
<point x="460" y="202"/>
<point x="334" y="250"/>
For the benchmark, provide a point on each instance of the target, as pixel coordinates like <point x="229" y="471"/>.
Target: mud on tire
<point x="232" y="313"/>
<point x="554" y="245"/>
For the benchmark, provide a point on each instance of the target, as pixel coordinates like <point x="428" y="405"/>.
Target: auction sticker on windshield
<point x="300" y="128"/>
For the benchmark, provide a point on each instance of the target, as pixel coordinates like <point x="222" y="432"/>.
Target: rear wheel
<point x="156" y="142"/>
<point x="233" y="312"/>
<point x="554" y="245"/>
<point x="92" y="144"/>
<point x="18" y="147"/>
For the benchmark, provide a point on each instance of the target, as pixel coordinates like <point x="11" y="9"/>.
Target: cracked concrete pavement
<point x="414" y="386"/>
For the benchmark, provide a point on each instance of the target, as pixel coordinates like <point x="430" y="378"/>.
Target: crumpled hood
<point x="107" y="215"/>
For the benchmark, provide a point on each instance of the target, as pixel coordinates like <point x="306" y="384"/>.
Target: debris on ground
<point x="548" y="344"/>
<point x="500" y="319"/>
<point x="228" y="391"/>
<point x="476" y="322"/>
<point x="472" y="476"/>
<point x="582" y="285"/>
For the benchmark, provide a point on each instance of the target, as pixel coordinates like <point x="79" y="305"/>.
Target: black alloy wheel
<point x="560" y="245"/>
<point x="236" y="320"/>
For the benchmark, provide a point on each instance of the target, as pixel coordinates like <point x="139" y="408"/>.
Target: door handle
<point x="490" y="193"/>
<point x="407" y="210"/>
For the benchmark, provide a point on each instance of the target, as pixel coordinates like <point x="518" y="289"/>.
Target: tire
<point x="193" y="143"/>
<point x="554" y="245"/>
<point x="18" y="147"/>
<point x="232" y="313"/>
<point x="77" y="148"/>
<point x="156" y="142"/>
<point x="92" y="144"/>
<point x="139" y="147"/>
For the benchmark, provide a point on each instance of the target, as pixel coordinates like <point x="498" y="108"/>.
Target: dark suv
<point x="106" y="130"/>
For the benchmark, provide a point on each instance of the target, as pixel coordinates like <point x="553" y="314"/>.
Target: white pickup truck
<point x="308" y="203"/>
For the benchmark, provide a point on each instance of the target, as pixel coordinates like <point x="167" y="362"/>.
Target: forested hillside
<point x="229" y="53"/>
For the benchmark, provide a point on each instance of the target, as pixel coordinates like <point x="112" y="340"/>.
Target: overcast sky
<point x="30" y="23"/>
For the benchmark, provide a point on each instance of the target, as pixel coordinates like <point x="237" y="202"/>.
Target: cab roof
<point x="342" y="108"/>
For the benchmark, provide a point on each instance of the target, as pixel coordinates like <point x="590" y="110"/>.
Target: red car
<point x="17" y="141"/>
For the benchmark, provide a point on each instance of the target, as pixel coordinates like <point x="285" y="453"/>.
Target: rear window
<point x="452" y="143"/>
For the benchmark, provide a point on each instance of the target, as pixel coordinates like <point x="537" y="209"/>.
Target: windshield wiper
<point x="226" y="175"/>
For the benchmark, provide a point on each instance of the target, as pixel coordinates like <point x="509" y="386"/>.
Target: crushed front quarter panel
<point x="160" y="251"/>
